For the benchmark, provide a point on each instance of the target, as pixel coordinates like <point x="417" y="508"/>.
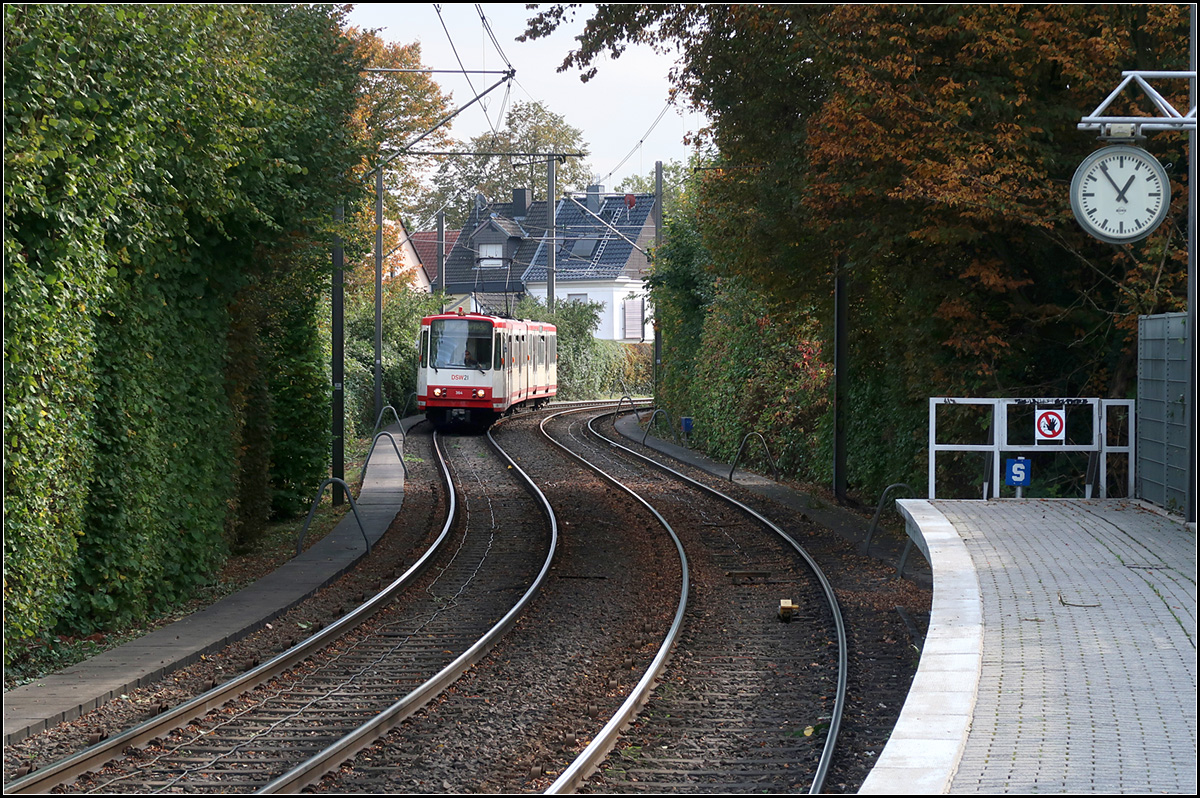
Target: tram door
<point x="499" y="367"/>
<point x="523" y="364"/>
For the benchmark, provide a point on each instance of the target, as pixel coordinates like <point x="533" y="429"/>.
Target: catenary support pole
<point x="338" y="455"/>
<point x="553" y="248"/>
<point x="378" y="291"/>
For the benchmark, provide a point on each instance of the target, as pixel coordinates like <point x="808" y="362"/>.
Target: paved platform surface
<point x="81" y="688"/>
<point x="1061" y="654"/>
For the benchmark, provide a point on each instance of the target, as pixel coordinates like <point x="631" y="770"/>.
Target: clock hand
<point x="1121" y="191"/>
<point x="1113" y="183"/>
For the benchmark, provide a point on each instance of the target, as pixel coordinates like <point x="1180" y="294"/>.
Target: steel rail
<point x="604" y="741"/>
<point x="312" y="769"/>
<point x="45" y="778"/>
<point x="843" y="648"/>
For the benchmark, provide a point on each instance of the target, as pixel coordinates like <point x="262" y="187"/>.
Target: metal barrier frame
<point x="312" y="510"/>
<point x="1000" y="443"/>
<point x="742" y="448"/>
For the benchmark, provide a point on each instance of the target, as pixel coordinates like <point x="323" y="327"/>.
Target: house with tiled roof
<point x="425" y="242"/>
<point x="600" y="242"/>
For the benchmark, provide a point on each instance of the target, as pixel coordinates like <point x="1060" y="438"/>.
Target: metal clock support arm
<point x="1170" y="118"/>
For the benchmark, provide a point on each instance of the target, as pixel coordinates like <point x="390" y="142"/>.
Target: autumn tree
<point x="923" y="153"/>
<point x="399" y="104"/>
<point x="971" y="113"/>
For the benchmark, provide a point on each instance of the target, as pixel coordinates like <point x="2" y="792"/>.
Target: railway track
<point x="746" y="692"/>
<point x="611" y="678"/>
<point x="544" y="710"/>
<point x="282" y="724"/>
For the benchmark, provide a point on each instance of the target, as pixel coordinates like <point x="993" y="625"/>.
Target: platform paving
<point x="1061" y="654"/>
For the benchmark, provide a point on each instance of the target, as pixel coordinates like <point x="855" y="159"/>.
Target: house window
<point x="634" y="319"/>
<point x="491" y="256"/>
<point x="584" y="248"/>
<point x="580" y="298"/>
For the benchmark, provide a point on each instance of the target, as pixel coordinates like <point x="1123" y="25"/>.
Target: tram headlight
<point x="438" y="392"/>
<point x="480" y="393"/>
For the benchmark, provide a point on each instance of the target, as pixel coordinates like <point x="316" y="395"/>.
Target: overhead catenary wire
<point x="641" y="141"/>
<point x="489" y="43"/>
<point x="490" y="35"/>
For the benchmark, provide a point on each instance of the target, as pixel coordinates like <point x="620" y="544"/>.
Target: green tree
<point x="403" y="308"/>
<point x="528" y="128"/>
<point x="675" y="177"/>
<point x="588" y="368"/>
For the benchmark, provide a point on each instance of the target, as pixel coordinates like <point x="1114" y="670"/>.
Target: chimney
<point x="593" y="198"/>
<point x="520" y="201"/>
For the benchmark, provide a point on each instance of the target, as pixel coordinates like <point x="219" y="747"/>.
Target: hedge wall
<point x="169" y="174"/>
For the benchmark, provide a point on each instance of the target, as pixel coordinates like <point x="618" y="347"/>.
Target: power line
<point x="450" y="39"/>
<point x="491" y="35"/>
<point x="641" y="141"/>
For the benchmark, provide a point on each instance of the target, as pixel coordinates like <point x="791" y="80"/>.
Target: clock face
<point x="1120" y="194"/>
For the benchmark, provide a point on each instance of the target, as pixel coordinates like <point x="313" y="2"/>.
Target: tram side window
<point x="461" y="343"/>
<point x="424" y="348"/>
<point x="498" y="349"/>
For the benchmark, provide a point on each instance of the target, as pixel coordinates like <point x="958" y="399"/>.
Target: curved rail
<point x="313" y="768"/>
<point x="835" y="721"/>
<point x="604" y="741"/>
<point x="94" y="756"/>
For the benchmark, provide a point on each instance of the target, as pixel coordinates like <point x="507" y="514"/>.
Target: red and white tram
<point x="473" y="368"/>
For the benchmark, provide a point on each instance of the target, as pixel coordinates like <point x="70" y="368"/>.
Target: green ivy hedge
<point x="169" y="176"/>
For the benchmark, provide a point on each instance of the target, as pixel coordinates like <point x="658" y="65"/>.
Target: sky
<point x="616" y="110"/>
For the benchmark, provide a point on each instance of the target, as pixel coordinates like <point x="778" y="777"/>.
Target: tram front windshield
<point x="461" y="343"/>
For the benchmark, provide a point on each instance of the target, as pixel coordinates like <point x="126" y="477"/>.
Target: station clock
<point x="1120" y="194"/>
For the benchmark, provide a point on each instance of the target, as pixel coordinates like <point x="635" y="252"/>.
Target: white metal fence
<point x="1048" y="432"/>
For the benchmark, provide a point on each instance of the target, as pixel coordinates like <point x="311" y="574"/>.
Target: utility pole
<point x="337" y="366"/>
<point x="440" y="283"/>
<point x="656" y="359"/>
<point x="553" y="249"/>
<point x="841" y="345"/>
<point x="378" y="292"/>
